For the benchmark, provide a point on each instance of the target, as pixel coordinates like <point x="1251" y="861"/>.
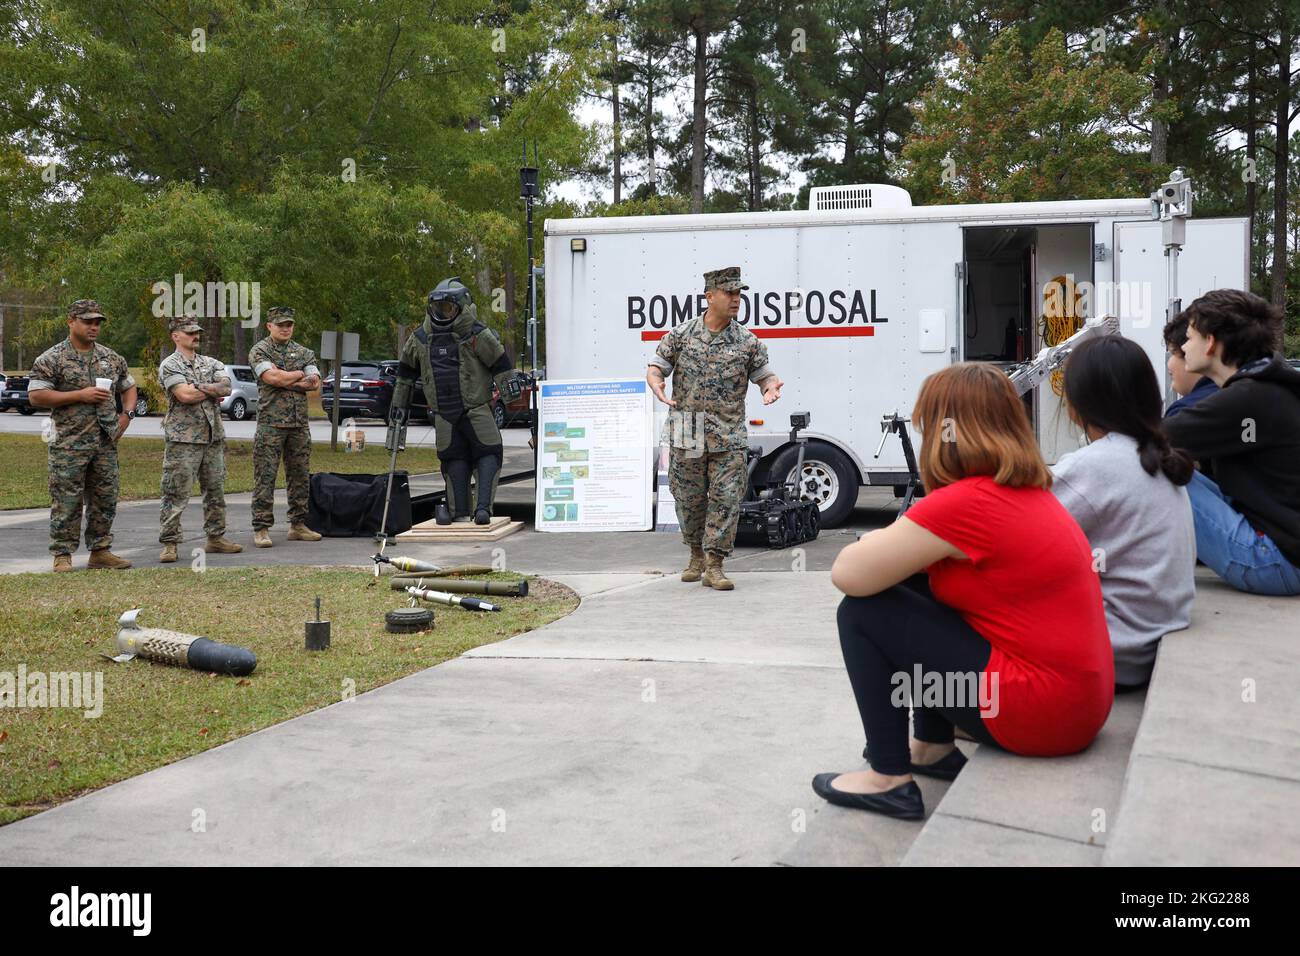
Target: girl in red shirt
<point x="1004" y="636"/>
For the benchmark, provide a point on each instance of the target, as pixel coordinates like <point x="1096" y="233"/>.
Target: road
<point x="417" y="435"/>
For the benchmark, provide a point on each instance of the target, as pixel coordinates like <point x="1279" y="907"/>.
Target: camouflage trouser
<point x="269" y="444"/>
<point x="708" y="489"/>
<point x="182" y="463"/>
<point x="77" y="475"/>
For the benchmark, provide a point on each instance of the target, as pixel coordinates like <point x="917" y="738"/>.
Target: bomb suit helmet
<point x="447" y="301"/>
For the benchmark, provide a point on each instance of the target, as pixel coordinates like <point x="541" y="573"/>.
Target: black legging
<point x="894" y="631"/>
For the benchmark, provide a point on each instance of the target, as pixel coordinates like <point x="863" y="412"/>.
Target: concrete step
<point x="1007" y="810"/>
<point x="1214" y="778"/>
<point x="838" y="836"/>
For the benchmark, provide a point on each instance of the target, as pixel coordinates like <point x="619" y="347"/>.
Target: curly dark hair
<point x="1247" y="326"/>
<point x="1176" y="331"/>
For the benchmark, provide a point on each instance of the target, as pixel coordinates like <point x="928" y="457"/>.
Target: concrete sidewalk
<point x="419" y="434"/>
<point x="590" y="741"/>
<point x="663" y="723"/>
<point x="659" y="723"/>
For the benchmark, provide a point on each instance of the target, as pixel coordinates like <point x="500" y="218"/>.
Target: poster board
<point x="594" y="468"/>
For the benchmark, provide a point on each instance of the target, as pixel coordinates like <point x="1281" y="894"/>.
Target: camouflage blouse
<point x="64" y="369"/>
<point x="196" y="424"/>
<point x="281" y="407"/>
<point x="711" y="373"/>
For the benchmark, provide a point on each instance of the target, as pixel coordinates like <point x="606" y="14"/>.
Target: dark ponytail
<point x="1154" y="451"/>
<point x="1110" y="385"/>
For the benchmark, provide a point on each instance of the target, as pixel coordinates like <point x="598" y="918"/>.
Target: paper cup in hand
<point x="105" y="383"/>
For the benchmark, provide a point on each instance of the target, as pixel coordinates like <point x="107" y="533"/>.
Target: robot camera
<point x="1173" y="198"/>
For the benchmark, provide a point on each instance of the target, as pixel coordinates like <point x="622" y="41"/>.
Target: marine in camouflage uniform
<point x="282" y="426"/>
<point x="195" y="440"/>
<point x="83" y="452"/>
<point x="455" y="358"/>
<point x="711" y="369"/>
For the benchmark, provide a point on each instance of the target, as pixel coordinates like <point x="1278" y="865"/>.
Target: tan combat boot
<point x="300" y="532"/>
<point x="63" y="562"/>
<point x="223" y="546"/>
<point x="104" y="558"/>
<point x="696" y="567"/>
<point x="168" y="553"/>
<point x="714" y="577"/>
<point x="262" y="538"/>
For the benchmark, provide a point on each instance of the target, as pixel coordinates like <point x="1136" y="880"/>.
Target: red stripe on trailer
<point x="817" y="333"/>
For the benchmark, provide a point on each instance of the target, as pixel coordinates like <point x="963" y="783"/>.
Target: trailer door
<point x="1215" y="257"/>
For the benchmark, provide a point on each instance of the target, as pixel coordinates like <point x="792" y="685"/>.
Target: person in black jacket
<point x="1248" y="517"/>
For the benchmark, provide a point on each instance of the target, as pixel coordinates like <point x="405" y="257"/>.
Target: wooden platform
<point x="430" y="530"/>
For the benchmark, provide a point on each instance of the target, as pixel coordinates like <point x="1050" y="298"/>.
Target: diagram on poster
<point x="665" y="503"/>
<point x="594" y="467"/>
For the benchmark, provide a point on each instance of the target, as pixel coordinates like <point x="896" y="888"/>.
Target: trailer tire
<point x="835" y="478"/>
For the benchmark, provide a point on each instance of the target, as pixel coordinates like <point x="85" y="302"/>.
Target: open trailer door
<point x="1215" y="256"/>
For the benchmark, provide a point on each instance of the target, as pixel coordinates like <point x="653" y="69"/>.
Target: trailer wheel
<point x="828" y="478"/>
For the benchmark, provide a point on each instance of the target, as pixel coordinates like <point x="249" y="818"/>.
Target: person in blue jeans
<point x="1247" y="517"/>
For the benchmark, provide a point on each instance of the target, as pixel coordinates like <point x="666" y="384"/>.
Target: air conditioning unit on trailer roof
<point x="865" y="196"/>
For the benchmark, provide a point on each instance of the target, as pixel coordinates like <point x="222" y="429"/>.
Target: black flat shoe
<point x="903" y="802"/>
<point x="945" y="768"/>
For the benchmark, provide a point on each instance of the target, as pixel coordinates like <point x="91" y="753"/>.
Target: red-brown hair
<point x="973" y="423"/>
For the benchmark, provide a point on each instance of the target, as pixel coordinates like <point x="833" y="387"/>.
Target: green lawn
<point x="153" y="715"/>
<point x="24" y="474"/>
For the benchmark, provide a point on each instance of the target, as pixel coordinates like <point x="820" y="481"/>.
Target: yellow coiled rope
<point x="1062" y="317"/>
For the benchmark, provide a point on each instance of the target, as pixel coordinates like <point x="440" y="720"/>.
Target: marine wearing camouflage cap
<point x="184" y="323"/>
<point x="83" y="466"/>
<point x="194" y="446"/>
<point x="728" y="279"/>
<point x="712" y="359"/>
<point x="86" y="309"/>
<point x="282" y="432"/>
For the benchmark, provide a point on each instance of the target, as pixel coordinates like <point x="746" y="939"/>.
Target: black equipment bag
<point x="344" y="506"/>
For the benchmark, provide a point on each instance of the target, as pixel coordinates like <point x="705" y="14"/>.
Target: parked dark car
<point x="367" y="392"/>
<point x="510" y="413"/>
<point x="14" y="395"/>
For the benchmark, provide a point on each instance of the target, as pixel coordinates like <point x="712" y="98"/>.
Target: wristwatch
<point x="130" y="416"/>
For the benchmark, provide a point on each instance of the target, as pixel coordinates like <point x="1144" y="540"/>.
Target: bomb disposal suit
<point x="455" y="358"/>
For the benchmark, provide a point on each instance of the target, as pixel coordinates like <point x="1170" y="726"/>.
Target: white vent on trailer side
<point x="867" y="196"/>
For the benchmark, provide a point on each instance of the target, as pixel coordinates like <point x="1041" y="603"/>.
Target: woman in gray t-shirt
<point x="1126" y="490"/>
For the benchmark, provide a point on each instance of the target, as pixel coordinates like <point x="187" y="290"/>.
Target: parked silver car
<point x="241" y="403"/>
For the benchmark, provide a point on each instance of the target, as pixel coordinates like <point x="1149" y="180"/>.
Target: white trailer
<point x="859" y="302"/>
